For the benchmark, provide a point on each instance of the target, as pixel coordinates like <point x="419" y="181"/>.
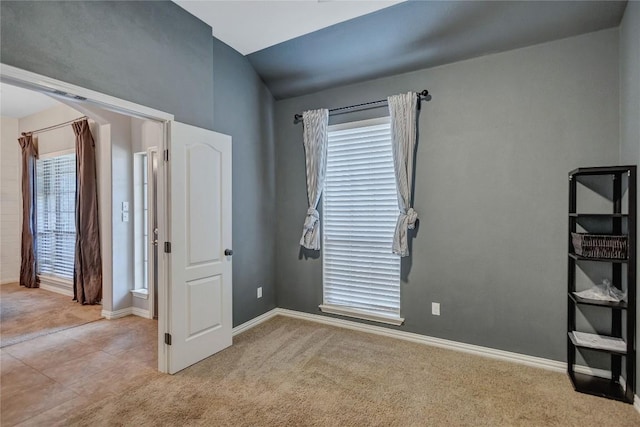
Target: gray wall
<point x="243" y="108"/>
<point x="158" y="55"/>
<point x="496" y="143"/>
<point x="630" y="85"/>
<point x="152" y="53"/>
<point x="630" y="104"/>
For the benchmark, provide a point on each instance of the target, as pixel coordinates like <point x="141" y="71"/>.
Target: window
<point x="56" y="216"/>
<point x="141" y="224"/>
<point x="361" y="276"/>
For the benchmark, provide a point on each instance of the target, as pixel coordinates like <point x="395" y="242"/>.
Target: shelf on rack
<point x="597" y="386"/>
<point x="595" y="215"/>
<point x="622" y="305"/>
<point x="604" y="170"/>
<point x="584" y="258"/>
<point x="598" y="342"/>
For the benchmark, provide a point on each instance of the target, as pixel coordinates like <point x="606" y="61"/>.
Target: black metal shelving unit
<point x="622" y="333"/>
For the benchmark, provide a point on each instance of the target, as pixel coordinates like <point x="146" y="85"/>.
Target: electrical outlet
<point x="435" y="308"/>
<point x="125" y="206"/>
<point x="260" y="292"/>
<point x="125" y="216"/>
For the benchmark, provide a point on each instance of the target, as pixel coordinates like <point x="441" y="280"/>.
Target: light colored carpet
<point x="29" y="313"/>
<point x="289" y="372"/>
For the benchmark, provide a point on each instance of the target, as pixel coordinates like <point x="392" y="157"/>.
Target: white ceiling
<point x="250" y="26"/>
<point x="17" y="102"/>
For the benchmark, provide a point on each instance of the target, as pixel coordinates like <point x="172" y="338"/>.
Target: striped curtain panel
<point x="316" y="123"/>
<point x="403" y="112"/>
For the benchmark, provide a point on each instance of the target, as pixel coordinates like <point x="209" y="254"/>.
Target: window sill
<point x="140" y="293"/>
<point x="361" y="314"/>
<point x="56" y="281"/>
<point x="56" y="284"/>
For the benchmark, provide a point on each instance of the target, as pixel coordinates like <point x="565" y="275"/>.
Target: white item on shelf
<point x="603" y="292"/>
<point x="601" y="342"/>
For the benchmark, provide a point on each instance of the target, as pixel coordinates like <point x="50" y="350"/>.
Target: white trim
<point x="53" y="280"/>
<point x="255" y="321"/>
<point x="7" y="281"/>
<point x="360" y="314"/>
<point x="137" y="311"/>
<point x="117" y="313"/>
<point x="57" y="290"/>
<point x="19" y="77"/>
<point x="56" y="284"/>
<point x="492" y="353"/>
<point x="140" y="293"/>
<point x="508" y="356"/>
<point x="636" y="402"/>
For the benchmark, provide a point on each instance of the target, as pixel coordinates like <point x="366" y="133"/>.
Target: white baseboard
<point x="7" y="281"/>
<point x="255" y="321"/>
<point x="126" y="312"/>
<point x="117" y="313"/>
<point x="57" y="290"/>
<point x="508" y="356"/>
<point x="522" y="359"/>
<point x="136" y="311"/>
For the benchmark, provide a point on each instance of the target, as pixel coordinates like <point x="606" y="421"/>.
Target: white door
<point x="199" y="303"/>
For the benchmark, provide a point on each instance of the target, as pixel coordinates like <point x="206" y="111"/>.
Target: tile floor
<point x="44" y="380"/>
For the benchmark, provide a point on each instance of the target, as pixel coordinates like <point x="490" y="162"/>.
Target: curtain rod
<point x="54" y="126"/>
<point x="297" y="118"/>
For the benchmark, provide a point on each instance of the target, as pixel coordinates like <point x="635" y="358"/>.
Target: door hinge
<point x="167" y="339"/>
<point x="167" y="247"/>
<point x="166" y="155"/>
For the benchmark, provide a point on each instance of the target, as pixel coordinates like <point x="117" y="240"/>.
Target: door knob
<point x="228" y="252"/>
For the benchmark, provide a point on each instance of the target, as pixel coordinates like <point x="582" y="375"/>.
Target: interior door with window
<point x="199" y="294"/>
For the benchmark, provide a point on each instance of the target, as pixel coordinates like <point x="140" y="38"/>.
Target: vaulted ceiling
<point x="404" y="37"/>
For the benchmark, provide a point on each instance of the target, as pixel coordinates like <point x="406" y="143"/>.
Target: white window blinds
<point x="56" y="215"/>
<point x="360" y="210"/>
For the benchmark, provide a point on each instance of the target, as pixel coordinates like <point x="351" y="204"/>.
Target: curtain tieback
<point x="412" y="216"/>
<point x="312" y="219"/>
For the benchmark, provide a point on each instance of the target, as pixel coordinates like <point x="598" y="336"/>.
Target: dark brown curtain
<point x="87" y="280"/>
<point x="28" y="256"/>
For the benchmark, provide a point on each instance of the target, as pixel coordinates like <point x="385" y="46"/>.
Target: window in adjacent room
<point x="361" y="276"/>
<point x="141" y="224"/>
<point x="56" y="216"/>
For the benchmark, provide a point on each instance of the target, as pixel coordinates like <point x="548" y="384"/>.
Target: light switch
<point x="125" y="206"/>
<point x="125" y="216"/>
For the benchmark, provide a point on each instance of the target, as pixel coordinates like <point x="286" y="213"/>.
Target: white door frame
<point x="77" y="94"/>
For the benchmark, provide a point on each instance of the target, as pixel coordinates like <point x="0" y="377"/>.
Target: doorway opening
<point x="194" y="196"/>
<point x="116" y="136"/>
